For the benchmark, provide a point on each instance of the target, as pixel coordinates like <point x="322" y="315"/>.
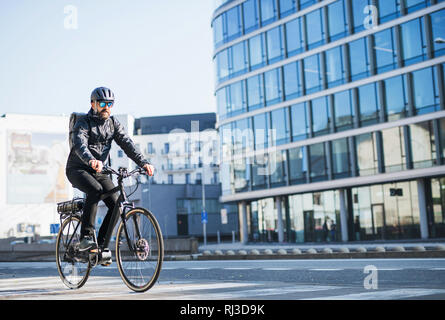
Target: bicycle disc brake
<point x="142" y="249"/>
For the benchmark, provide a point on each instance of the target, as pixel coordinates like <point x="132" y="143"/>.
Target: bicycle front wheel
<point x="73" y="271"/>
<point x="139" y="249"/>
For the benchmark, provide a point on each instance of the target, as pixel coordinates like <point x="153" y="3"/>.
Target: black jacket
<point x="92" y="139"/>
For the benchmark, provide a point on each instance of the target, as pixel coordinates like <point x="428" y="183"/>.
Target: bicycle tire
<point x="74" y="274"/>
<point x="140" y="270"/>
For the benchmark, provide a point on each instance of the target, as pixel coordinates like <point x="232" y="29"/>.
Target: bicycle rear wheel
<point x="73" y="271"/>
<point x="139" y="257"/>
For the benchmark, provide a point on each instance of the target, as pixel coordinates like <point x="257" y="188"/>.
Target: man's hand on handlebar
<point x="149" y="169"/>
<point x="96" y="165"/>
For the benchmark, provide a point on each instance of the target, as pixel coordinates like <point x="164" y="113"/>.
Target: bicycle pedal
<point x="94" y="250"/>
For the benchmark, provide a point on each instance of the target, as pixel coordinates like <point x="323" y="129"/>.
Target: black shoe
<point x="87" y="243"/>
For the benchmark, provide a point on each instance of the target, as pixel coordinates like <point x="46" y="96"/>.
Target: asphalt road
<point x="358" y="279"/>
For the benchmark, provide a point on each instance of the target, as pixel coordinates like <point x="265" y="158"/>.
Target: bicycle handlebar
<point x="123" y="173"/>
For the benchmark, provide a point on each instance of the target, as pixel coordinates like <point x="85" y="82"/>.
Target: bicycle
<point x="139" y="243"/>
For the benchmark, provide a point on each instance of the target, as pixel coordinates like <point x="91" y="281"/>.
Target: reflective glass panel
<point x="299" y="121"/>
<point x="395" y="97"/>
<point x="297" y="165"/>
<point x="385" y="50"/>
<point x="359" y="13"/>
<point x="340" y="158"/>
<point x="343" y="110"/>
<point x="279" y="127"/>
<point x="260" y="125"/>
<point x="257" y="52"/>
<point x="312" y="74"/>
<point x="255" y="92"/>
<point x="413" y="41"/>
<point x="268" y="11"/>
<point x="218" y="31"/>
<point x="368" y="102"/>
<point x="425" y="91"/>
<point x="394" y="149"/>
<point x="438" y="29"/>
<point x="413" y="5"/>
<point x="365" y="145"/>
<point x="320" y="116"/>
<point x="287" y="7"/>
<point x="250" y="14"/>
<point x="292" y="82"/>
<point x="317" y="162"/>
<point x="294" y="38"/>
<point x="237" y="98"/>
<point x="338" y="25"/>
<point x="314" y="27"/>
<point x="335" y="72"/>
<point x="422" y="144"/>
<point x="275" y="47"/>
<point x="388" y="9"/>
<point x="359" y="61"/>
<point x="233" y="23"/>
<point x="273" y="87"/>
<point x="239" y="59"/>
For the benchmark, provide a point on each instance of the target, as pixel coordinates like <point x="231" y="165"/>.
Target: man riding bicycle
<point x="91" y="144"/>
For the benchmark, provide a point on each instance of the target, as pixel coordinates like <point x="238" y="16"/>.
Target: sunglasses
<point x="104" y="104"/>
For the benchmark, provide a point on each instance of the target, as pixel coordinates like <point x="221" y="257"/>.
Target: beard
<point x="104" y="114"/>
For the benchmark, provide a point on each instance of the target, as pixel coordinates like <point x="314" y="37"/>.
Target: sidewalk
<point x="431" y="248"/>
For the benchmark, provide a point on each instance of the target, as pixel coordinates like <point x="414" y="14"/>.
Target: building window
<point x="388" y="10"/>
<point x="312" y="74"/>
<point x="396" y="100"/>
<point x="292" y="81"/>
<point x="170" y="179"/>
<point x="166" y="148"/>
<point x="385" y="50"/>
<point x="414" y="5"/>
<point x="338" y="25"/>
<point x="359" y="61"/>
<point x="340" y="158"/>
<point x="250" y="14"/>
<point x="275" y="47"/>
<point x="426" y="97"/>
<point x="287" y="7"/>
<point x="438" y="29"/>
<point x="335" y="73"/>
<point x="344" y="112"/>
<point x="273" y="86"/>
<point x="369" y="105"/>
<point x="233" y="23"/>
<point x="317" y="162"/>
<point x="260" y="172"/>
<point x="300" y="121"/>
<point x="187" y="178"/>
<point x="394" y="149"/>
<point x="366" y="152"/>
<point x="255" y="92"/>
<point x="294" y="38"/>
<point x="221" y="101"/>
<point x="297" y="165"/>
<point x="120" y="154"/>
<point x="260" y="125"/>
<point x="238" y="101"/>
<point x="306" y="3"/>
<point x="422" y="145"/>
<point x="438" y="217"/>
<point x="320" y="116"/>
<point x="314" y="28"/>
<point x="268" y="11"/>
<point x="222" y="65"/>
<point x="239" y="59"/>
<point x="277" y="164"/>
<point x="218" y="35"/>
<point x="413" y="41"/>
<point x="257" y="52"/>
<point x="150" y="148"/>
<point x="280" y="126"/>
<point x="359" y="14"/>
<point x="442" y="137"/>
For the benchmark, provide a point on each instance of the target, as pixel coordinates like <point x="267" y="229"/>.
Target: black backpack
<point x="73" y="119"/>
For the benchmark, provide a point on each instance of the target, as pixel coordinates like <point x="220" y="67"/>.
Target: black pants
<point x="94" y="185"/>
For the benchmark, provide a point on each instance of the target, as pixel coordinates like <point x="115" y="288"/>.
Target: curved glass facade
<point x="329" y="100"/>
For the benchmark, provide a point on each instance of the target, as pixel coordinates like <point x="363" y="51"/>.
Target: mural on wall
<point x="36" y="167"/>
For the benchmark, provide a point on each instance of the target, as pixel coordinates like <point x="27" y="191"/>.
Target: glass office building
<point x="331" y="117"/>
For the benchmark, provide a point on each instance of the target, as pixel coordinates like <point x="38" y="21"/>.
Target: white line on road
<point x="384" y="295"/>
<point x="326" y="269"/>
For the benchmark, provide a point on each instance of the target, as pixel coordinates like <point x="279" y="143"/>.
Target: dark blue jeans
<point x="94" y="185"/>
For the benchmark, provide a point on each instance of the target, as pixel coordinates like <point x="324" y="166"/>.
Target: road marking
<point x="255" y="292"/>
<point x="277" y="269"/>
<point x="389" y="269"/>
<point x="384" y="295"/>
<point x="326" y="269"/>
<point x="238" y="268"/>
<point x="438" y="269"/>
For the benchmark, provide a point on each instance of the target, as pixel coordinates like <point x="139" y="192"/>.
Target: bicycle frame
<point x="122" y="206"/>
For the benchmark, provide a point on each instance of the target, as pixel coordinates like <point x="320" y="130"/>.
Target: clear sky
<point x="156" y="55"/>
